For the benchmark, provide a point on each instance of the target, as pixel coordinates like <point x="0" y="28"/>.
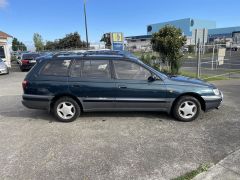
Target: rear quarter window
<point x="56" y="68"/>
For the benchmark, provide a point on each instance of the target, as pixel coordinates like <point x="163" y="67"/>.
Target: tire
<point x="186" y="109"/>
<point x="66" y="109"/>
<point x="21" y="69"/>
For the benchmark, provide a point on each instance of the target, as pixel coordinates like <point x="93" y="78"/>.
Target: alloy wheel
<point x="187" y="109"/>
<point x="66" y="110"/>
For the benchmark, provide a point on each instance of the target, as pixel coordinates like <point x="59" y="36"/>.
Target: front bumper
<point x="213" y="102"/>
<point x="3" y="71"/>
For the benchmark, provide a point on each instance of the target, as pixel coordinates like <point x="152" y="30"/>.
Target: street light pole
<point x="86" y="28"/>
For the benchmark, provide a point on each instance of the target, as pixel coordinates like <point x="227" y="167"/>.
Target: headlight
<point x="216" y="92"/>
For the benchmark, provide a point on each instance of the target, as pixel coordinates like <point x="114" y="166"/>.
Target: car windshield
<point x="30" y="56"/>
<point x="162" y="74"/>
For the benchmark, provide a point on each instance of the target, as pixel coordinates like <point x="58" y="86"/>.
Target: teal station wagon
<point x="70" y="84"/>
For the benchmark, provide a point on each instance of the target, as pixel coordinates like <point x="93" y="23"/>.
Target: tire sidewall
<point x="21" y="69"/>
<point x="73" y="102"/>
<point x="179" y="102"/>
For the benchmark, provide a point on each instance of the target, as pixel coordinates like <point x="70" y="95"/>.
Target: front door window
<point x="130" y="71"/>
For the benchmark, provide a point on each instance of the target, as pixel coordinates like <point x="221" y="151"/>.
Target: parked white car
<point x="5" y="54"/>
<point x="3" y="67"/>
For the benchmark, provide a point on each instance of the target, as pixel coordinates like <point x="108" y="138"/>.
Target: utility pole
<point x="213" y="54"/>
<point x="198" y="59"/>
<point x="86" y="28"/>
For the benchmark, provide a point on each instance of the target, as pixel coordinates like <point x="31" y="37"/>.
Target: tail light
<point x="25" y="61"/>
<point x="25" y="84"/>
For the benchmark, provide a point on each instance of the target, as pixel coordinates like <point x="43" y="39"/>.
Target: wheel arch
<point x="195" y="95"/>
<point x="66" y="95"/>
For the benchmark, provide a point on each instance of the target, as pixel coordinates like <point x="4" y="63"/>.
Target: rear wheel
<point x="66" y="109"/>
<point x="186" y="109"/>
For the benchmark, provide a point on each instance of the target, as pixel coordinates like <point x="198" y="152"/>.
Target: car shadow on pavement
<point x="29" y="115"/>
<point x="123" y="115"/>
<point x="32" y="115"/>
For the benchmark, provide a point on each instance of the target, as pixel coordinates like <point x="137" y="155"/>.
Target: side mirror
<point x="152" y="78"/>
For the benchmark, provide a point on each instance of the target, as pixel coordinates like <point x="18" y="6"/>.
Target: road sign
<point x="117" y="46"/>
<point x="221" y="55"/>
<point x="117" y="37"/>
<point x="117" y="41"/>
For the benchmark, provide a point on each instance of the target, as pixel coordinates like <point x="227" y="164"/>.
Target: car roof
<point x="96" y="55"/>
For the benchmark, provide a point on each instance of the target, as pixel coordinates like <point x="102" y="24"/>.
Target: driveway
<point x="111" y="145"/>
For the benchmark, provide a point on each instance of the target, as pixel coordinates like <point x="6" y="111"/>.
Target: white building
<point x="97" y="46"/>
<point x="136" y="43"/>
<point x="5" y="48"/>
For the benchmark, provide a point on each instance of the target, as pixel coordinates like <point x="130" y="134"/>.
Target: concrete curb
<point x="228" y="168"/>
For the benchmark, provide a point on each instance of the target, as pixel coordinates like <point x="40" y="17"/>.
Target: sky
<point x="54" y="19"/>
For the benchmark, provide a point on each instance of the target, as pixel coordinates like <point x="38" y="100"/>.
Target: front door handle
<point x="122" y="87"/>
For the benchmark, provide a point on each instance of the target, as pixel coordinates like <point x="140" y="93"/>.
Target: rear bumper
<point x="27" y="66"/>
<point x="37" y="102"/>
<point x="213" y="102"/>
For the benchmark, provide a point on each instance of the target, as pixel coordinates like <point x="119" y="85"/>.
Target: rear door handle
<point x="122" y="87"/>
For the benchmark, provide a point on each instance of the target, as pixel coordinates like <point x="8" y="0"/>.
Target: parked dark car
<point x="70" y="85"/>
<point x="27" y="60"/>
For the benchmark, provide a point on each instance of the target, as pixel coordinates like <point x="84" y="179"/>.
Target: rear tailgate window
<point x="30" y="56"/>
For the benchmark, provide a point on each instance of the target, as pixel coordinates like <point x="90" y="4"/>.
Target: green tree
<point x="22" y="47"/>
<point x="38" y="42"/>
<point x="50" y="45"/>
<point x="18" y="46"/>
<point x="148" y="59"/>
<point x="15" y="44"/>
<point x="72" y="40"/>
<point x="168" y="43"/>
<point x="107" y="39"/>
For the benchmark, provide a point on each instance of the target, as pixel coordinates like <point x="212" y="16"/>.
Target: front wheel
<point x="186" y="109"/>
<point x="66" y="109"/>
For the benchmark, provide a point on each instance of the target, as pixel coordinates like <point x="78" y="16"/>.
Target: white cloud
<point x="3" y="3"/>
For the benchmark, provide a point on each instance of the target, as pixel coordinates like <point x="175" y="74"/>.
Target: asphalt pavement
<point x="111" y="145"/>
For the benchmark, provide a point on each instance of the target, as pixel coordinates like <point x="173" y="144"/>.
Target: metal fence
<point x="212" y="61"/>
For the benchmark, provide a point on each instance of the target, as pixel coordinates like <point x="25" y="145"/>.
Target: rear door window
<point x="56" y="68"/>
<point x="96" y="69"/>
<point x="76" y="69"/>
